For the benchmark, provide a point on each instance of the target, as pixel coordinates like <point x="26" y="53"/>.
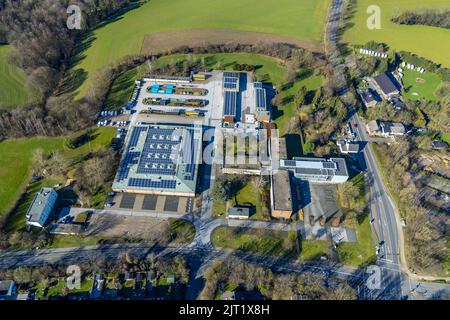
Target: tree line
<point x="248" y="277"/>
<point x="434" y="18"/>
<point x="425" y="233"/>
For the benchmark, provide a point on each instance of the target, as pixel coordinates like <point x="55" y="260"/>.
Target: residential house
<point x="385" y="129"/>
<point x="386" y="86"/>
<point x="368" y="98"/>
<point x="347" y="146"/>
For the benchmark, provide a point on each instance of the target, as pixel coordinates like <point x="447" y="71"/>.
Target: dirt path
<point x="165" y="41"/>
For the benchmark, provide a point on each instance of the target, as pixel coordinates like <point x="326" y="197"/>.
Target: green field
<point x="420" y="85"/>
<point x="124" y="36"/>
<point x="313" y="249"/>
<point x="361" y="253"/>
<point x="17" y="154"/>
<point x="249" y="196"/>
<point x="255" y="241"/>
<point x="429" y="42"/>
<point x="12" y="81"/>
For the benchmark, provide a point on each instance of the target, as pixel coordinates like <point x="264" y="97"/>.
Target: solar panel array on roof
<point x="158" y="154"/>
<point x="135" y="136"/>
<point x="258" y="85"/>
<point x="148" y="183"/>
<point x="228" y="74"/>
<point x="230" y="102"/>
<point x="189" y="155"/>
<point x="230" y="80"/>
<point x="329" y="165"/>
<point x="162" y="157"/>
<point x="261" y="101"/>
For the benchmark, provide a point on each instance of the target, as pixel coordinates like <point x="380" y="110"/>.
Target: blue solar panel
<point x="160" y="155"/>
<point x="231" y="75"/>
<point x="135" y="136"/>
<point x="260" y="96"/>
<point x="230" y="102"/>
<point x="258" y="85"/>
<point x="148" y="183"/>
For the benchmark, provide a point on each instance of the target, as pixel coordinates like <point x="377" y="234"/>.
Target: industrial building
<point x="42" y="206"/>
<point x="261" y="109"/>
<point x="161" y="160"/>
<point x="280" y="190"/>
<point x="317" y="170"/>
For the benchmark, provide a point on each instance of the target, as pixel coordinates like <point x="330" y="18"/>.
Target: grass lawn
<point x="249" y="196"/>
<point x="182" y="231"/>
<point x="12" y="81"/>
<point x="362" y="252"/>
<point x="60" y="241"/>
<point x="121" y="88"/>
<point x="429" y="42"/>
<point x="219" y="209"/>
<point x="420" y="85"/>
<point x="16" y="158"/>
<point x="313" y="249"/>
<point x="124" y="35"/>
<point x="255" y="241"/>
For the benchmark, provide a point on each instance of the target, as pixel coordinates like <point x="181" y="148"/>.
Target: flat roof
<point x="282" y="191"/>
<point x="230" y="103"/>
<point x="260" y="97"/>
<point x="238" y="211"/>
<point x="39" y="202"/>
<point x="316" y="166"/>
<point x="160" y="158"/>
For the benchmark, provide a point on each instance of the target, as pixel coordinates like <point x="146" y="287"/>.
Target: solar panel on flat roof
<point x="230" y="102"/>
<point x="329" y="165"/>
<point x="261" y="102"/>
<point x="258" y="85"/>
<point x="289" y="163"/>
<point x="228" y="74"/>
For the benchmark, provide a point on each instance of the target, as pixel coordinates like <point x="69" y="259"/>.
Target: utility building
<point x="42" y="206"/>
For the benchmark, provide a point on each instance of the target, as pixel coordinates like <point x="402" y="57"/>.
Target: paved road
<point x="383" y="216"/>
<point x="199" y="258"/>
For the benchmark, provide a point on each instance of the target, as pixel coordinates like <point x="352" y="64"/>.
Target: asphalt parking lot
<point x="153" y="203"/>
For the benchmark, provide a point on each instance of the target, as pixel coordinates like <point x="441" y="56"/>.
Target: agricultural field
<point x="124" y="35"/>
<point x="12" y="81"/>
<point x="429" y="42"/>
<point x="420" y="85"/>
<point x="16" y="158"/>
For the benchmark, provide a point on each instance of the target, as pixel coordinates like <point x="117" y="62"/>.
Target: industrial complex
<point x="164" y="146"/>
